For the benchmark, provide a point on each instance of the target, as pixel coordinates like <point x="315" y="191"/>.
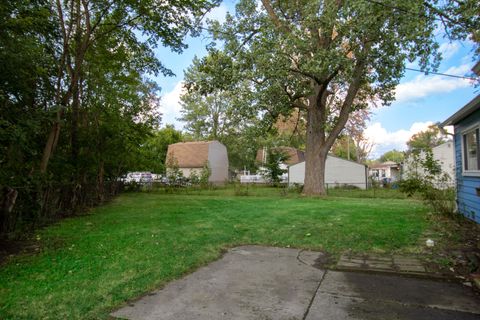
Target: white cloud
<point x="448" y="49"/>
<point x="170" y="105"/>
<point x="384" y="140"/>
<point x="425" y="85"/>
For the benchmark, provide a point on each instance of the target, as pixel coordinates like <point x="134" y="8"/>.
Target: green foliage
<point x="174" y="174"/>
<point x="211" y="113"/>
<point x="327" y="58"/>
<point x="140" y="242"/>
<point x="273" y="171"/>
<point x="393" y="155"/>
<point x="205" y="174"/>
<point x="426" y="140"/>
<point x="153" y="152"/>
<point x="193" y="178"/>
<point x="77" y="108"/>
<point x="434" y="186"/>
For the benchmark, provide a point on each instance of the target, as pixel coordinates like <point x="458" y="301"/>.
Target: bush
<point x="433" y="185"/>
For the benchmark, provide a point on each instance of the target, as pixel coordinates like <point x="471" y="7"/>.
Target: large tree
<point x="212" y="112"/>
<point x="83" y="24"/>
<point x="75" y="80"/>
<point x="328" y="58"/>
<point x="426" y="140"/>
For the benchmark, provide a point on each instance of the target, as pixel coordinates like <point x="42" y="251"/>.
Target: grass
<point x="92" y="264"/>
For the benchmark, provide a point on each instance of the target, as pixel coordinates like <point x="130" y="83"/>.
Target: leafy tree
<point x="273" y="170"/>
<point x="154" y="150"/>
<point x="327" y="58"/>
<point x="392" y="155"/>
<point x="85" y="24"/>
<point x="213" y="114"/>
<point x="426" y="140"/>
<point x="351" y="143"/>
<point x="74" y="81"/>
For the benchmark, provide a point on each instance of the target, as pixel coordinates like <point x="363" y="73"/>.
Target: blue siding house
<point x="466" y="122"/>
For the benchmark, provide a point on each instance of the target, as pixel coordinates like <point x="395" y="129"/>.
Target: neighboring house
<point x="444" y="154"/>
<point x="466" y="122"/>
<point x="338" y="172"/>
<point x="193" y="156"/>
<point x="388" y="171"/>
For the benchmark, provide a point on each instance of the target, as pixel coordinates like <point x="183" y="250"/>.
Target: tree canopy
<point x="76" y="101"/>
<point x="326" y="58"/>
<point x="392" y="155"/>
<point x="427" y="139"/>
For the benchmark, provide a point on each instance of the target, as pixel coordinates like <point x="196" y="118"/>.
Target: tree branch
<point x="276" y="21"/>
<point x="350" y="97"/>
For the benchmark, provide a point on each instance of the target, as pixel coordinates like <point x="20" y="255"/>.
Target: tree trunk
<point x="51" y="141"/>
<point x="100" y="182"/>
<point x="315" y="155"/>
<point x="74" y="128"/>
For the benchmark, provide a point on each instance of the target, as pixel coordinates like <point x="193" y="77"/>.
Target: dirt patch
<point x="324" y="261"/>
<point x="457" y="248"/>
<point x="11" y="248"/>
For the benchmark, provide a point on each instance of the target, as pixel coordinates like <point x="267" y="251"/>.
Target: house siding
<point x="218" y="162"/>
<point x="337" y="172"/>
<point x="467" y="199"/>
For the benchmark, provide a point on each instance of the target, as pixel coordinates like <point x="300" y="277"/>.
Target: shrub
<point x="205" y="174"/>
<point x="433" y="185"/>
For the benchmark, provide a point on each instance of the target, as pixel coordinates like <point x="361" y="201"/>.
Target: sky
<point x="421" y="100"/>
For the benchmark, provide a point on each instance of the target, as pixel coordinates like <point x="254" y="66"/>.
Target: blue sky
<point x="420" y="99"/>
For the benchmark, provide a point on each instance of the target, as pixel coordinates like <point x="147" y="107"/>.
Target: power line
<point x="443" y="74"/>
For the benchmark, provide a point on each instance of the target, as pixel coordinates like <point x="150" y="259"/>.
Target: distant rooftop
<point x="191" y="154"/>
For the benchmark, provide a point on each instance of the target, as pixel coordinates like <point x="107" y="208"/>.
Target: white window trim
<point x="468" y="173"/>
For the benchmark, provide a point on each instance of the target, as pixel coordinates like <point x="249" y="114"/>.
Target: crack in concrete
<point x="314" y="296"/>
<point x="300" y="259"/>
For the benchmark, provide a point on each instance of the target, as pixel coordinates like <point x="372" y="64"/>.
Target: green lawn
<point x="91" y="264"/>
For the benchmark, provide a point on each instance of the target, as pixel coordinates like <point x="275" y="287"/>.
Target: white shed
<point x="338" y="172"/>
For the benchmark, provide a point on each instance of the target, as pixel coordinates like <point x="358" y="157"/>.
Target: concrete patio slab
<point x="254" y="282"/>
<point x="335" y="307"/>
<point x="249" y="282"/>
<point x="427" y="293"/>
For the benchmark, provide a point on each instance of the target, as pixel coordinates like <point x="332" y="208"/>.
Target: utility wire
<point x="444" y="74"/>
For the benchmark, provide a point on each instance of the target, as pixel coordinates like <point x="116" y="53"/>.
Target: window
<point x="471" y="148"/>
